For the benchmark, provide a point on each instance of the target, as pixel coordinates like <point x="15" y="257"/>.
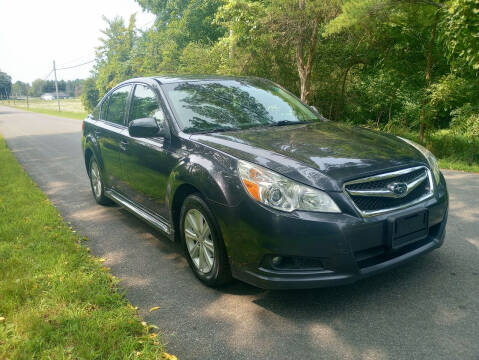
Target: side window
<point x="103" y="109"/>
<point x="117" y="105"/>
<point x="96" y="112"/>
<point x="144" y="105"/>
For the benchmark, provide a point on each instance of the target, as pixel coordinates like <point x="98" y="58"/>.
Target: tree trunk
<point x="231" y="47"/>
<point x="422" y="122"/>
<point x="391" y="106"/>
<point x="305" y="65"/>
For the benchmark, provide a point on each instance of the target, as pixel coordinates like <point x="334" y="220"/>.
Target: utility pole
<point x="56" y="84"/>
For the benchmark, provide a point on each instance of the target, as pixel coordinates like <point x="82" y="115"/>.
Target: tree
<point x="408" y="19"/>
<point x="461" y="32"/>
<point x="37" y="87"/>
<point x="298" y="23"/>
<point x="5" y="85"/>
<point x="20" y="88"/>
<point x="376" y="62"/>
<point x="114" y="57"/>
<point x="90" y="94"/>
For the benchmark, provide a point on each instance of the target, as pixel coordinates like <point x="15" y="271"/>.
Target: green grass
<point x="458" y="165"/>
<point x="70" y="108"/>
<point x="57" y="301"/>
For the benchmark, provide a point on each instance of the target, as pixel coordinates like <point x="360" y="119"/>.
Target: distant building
<point x="52" y="96"/>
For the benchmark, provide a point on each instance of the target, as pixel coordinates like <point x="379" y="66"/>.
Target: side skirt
<point x="152" y="219"/>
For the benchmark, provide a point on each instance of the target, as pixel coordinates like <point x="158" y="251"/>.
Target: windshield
<point x="207" y="106"/>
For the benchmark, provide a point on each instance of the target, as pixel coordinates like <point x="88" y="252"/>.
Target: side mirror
<point x="145" y="127"/>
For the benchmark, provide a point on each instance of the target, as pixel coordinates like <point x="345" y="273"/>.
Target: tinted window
<point x="234" y="104"/>
<point x="96" y="112"/>
<point x="104" y="109"/>
<point x="117" y="105"/>
<point x="144" y="105"/>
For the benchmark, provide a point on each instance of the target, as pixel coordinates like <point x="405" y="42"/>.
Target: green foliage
<point x="5" y="85"/>
<point x="114" y="56"/>
<point x="72" y="88"/>
<point x="90" y="95"/>
<point x="20" y="88"/>
<point x="199" y="59"/>
<point x="391" y="64"/>
<point x="461" y="32"/>
<point x="465" y="120"/>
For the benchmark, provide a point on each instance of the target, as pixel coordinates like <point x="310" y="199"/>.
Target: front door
<point x="110" y="136"/>
<point x="148" y="162"/>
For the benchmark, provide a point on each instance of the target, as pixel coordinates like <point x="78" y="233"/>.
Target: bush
<point x="465" y="120"/>
<point x="89" y="96"/>
<point x="447" y="145"/>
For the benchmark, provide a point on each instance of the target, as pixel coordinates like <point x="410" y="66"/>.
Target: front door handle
<point x="124" y="144"/>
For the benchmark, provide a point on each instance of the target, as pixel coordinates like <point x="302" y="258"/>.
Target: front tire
<point x="96" y="183"/>
<point x="204" y="247"/>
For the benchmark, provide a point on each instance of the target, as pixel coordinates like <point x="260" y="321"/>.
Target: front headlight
<point x="281" y="193"/>
<point x="431" y="159"/>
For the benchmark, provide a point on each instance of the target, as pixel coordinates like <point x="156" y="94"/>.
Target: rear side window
<point x="117" y="105"/>
<point x="144" y="105"/>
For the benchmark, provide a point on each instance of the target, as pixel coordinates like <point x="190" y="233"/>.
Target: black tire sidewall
<point x="220" y="272"/>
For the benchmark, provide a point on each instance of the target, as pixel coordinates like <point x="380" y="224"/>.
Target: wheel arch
<point x="202" y="175"/>
<point x="91" y="148"/>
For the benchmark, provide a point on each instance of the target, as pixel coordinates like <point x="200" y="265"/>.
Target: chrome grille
<point x="391" y="191"/>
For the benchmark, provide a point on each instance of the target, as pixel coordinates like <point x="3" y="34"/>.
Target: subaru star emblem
<point x="398" y="188"/>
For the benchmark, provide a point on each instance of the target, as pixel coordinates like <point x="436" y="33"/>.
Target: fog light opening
<point x="294" y="263"/>
<point x="276" y="260"/>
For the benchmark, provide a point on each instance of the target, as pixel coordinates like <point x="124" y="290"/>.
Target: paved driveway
<point x="427" y="309"/>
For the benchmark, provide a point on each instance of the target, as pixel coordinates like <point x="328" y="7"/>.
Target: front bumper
<point x="348" y="246"/>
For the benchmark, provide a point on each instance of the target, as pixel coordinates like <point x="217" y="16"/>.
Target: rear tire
<point x="96" y="183"/>
<point x="202" y="242"/>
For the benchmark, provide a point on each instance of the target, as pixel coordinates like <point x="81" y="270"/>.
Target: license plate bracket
<point x="409" y="228"/>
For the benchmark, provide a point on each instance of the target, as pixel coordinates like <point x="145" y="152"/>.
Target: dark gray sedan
<point x="259" y="186"/>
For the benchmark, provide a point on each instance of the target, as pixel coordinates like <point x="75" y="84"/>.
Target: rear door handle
<point x="124" y="144"/>
<point x="97" y="133"/>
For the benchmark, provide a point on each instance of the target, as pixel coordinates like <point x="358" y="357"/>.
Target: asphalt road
<point x="427" y="309"/>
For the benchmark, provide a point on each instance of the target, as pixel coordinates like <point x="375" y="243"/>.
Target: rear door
<point x="148" y="161"/>
<point x="110" y="135"/>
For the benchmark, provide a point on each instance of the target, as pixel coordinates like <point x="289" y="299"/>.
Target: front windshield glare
<point x="204" y="106"/>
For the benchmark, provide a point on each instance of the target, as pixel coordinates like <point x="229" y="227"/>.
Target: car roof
<point x="169" y="79"/>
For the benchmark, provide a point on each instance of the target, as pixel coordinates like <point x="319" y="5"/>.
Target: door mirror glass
<point x="144" y="127"/>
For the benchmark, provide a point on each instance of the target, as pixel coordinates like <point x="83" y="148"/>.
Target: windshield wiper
<point x="288" y="122"/>
<point x="207" y="131"/>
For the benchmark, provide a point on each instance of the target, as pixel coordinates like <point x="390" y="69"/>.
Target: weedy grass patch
<point x="70" y="108"/>
<point x="57" y="301"/>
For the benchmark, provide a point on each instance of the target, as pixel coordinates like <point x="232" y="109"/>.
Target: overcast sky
<point x="33" y="33"/>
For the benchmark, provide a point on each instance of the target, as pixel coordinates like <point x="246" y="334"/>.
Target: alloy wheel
<point x="95" y="179"/>
<point x="199" y="241"/>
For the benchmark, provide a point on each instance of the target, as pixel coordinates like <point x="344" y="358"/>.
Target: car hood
<point x="321" y="154"/>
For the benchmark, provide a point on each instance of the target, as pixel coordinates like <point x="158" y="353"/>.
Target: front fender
<point x="212" y="173"/>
